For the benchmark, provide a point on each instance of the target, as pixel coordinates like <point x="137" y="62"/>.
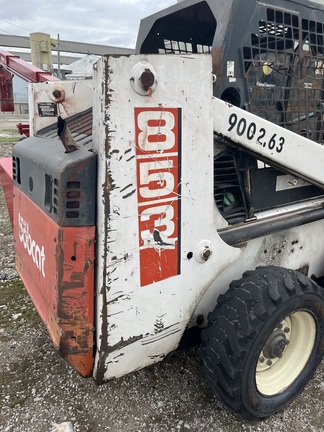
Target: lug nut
<point x="286" y="329"/>
<point x="269" y="362"/>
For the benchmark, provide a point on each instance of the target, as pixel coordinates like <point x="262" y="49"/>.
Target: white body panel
<point x="296" y="248"/>
<point x="138" y="325"/>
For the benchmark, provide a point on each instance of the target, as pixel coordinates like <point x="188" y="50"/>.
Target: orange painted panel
<point x="57" y="267"/>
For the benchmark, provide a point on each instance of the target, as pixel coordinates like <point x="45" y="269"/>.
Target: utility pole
<point x="58" y="58"/>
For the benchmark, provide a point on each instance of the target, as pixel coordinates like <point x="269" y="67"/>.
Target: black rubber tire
<point x="240" y="325"/>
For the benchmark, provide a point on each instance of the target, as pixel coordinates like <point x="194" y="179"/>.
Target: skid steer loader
<point x="187" y="198"/>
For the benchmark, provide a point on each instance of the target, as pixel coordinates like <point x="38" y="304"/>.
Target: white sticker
<point x="230" y="69"/>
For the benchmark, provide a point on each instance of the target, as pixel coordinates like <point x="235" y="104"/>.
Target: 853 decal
<point x="251" y="131"/>
<point x="158" y="161"/>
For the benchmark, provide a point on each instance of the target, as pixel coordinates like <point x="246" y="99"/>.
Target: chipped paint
<point x="142" y="279"/>
<point x="64" y="296"/>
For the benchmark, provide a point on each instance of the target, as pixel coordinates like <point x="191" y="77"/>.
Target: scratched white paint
<point x="142" y="324"/>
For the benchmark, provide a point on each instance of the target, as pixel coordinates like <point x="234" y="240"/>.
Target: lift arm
<point x="269" y="142"/>
<point x="24" y="70"/>
<point x="11" y="64"/>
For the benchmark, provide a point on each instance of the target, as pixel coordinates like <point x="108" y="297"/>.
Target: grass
<point x="8" y="138"/>
<point x="10" y="131"/>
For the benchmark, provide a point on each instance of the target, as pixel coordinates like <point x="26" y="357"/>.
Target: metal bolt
<point x="286" y="329"/>
<point x="261" y="360"/>
<point x="206" y="254"/>
<point x="56" y="94"/>
<point x="147" y="79"/>
<point x="269" y="362"/>
<point x="279" y="326"/>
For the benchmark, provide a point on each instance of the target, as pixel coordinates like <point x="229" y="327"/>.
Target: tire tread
<point x="235" y="322"/>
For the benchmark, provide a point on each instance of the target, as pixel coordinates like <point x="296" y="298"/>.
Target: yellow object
<point x="266" y="68"/>
<point x="41" y="51"/>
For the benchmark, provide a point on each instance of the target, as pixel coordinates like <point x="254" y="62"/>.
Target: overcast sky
<point x="106" y="22"/>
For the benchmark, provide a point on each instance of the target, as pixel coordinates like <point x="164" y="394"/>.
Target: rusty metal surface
<point x="65" y="136"/>
<point x="58" y="273"/>
<point x="76" y="297"/>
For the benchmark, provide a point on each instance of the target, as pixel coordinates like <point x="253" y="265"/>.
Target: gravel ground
<point x="38" y="391"/>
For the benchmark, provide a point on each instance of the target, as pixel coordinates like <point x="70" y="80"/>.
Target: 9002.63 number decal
<point x="251" y="131"/>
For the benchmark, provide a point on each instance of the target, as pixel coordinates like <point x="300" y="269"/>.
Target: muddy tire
<point x="264" y="340"/>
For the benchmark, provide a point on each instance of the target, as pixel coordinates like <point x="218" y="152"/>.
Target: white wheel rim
<point x="275" y="373"/>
